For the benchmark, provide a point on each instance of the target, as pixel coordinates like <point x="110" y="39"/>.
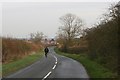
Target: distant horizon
<point x="44" y="16"/>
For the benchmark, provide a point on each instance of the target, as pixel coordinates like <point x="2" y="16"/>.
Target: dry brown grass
<point x="13" y="49"/>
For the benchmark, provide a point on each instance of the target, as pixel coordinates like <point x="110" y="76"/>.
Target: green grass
<point x="14" y="66"/>
<point x="94" y="69"/>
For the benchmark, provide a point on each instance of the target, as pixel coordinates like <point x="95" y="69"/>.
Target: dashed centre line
<point x="55" y="62"/>
<point x="52" y="68"/>
<point x="55" y="58"/>
<point x="47" y="75"/>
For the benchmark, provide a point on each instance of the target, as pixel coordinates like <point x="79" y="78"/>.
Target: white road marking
<point x="56" y="62"/>
<point x="54" y="67"/>
<point x="55" y="58"/>
<point x="47" y="75"/>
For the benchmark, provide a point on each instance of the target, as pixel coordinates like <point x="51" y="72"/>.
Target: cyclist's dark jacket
<point x="46" y="50"/>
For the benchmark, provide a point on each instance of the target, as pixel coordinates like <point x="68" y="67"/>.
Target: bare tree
<point x="70" y="29"/>
<point x="71" y="26"/>
<point x="36" y="37"/>
<point x="32" y="36"/>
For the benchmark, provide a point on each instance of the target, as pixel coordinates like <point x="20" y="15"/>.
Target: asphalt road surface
<point x="54" y="66"/>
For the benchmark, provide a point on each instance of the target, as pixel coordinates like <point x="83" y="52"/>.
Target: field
<point x="18" y="53"/>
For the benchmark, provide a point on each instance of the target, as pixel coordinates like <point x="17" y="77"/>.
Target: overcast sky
<point x="19" y="19"/>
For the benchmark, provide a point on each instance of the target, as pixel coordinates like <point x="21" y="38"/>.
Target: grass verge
<point x="14" y="66"/>
<point x="94" y="69"/>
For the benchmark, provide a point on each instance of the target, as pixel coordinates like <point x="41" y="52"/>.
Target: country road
<point x="54" y="66"/>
